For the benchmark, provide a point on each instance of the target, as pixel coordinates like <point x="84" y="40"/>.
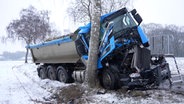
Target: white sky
<point x="152" y="11"/>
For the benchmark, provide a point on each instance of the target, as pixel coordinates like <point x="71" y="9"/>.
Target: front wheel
<point x="110" y="80"/>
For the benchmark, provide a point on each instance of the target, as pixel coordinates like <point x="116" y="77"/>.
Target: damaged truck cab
<point x="124" y="58"/>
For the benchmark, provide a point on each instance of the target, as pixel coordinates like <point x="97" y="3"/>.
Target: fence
<point x="161" y="44"/>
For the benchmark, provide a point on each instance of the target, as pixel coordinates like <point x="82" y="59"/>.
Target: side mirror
<point x="110" y="24"/>
<point x="138" y="18"/>
<point x="133" y="12"/>
<point x="106" y="24"/>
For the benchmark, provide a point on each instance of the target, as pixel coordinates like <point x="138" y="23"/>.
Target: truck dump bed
<point x="61" y="50"/>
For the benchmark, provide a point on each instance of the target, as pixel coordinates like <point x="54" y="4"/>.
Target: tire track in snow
<point x="35" y="92"/>
<point x="10" y="90"/>
<point x="22" y="85"/>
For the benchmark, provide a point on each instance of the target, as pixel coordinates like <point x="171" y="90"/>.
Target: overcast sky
<point x="152" y="11"/>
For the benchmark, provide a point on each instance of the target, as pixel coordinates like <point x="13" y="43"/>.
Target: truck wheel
<point x="51" y="72"/>
<point x="42" y="72"/>
<point x="108" y="80"/>
<point x="62" y="75"/>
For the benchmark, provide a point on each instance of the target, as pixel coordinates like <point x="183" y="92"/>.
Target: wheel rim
<point x="62" y="76"/>
<point x="51" y="74"/>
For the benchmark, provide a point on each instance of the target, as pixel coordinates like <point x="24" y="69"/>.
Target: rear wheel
<point x="42" y="72"/>
<point x="51" y="72"/>
<point x="62" y="75"/>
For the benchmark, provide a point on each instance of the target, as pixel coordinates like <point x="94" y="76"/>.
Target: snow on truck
<point x="124" y="58"/>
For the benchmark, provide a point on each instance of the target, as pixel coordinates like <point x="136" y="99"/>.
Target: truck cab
<point x="124" y="57"/>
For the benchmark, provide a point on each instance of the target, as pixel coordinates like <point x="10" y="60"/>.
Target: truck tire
<point x="62" y="75"/>
<point x="51" y="72"/>
<point x="42" y="72"/>
<point x="108" y="80"/>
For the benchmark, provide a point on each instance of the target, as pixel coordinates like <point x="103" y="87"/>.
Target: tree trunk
<point x="27" y="50"/>
<point x="91" y="74"/>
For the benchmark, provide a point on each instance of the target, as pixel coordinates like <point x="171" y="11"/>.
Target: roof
<point x="87" y="28"/>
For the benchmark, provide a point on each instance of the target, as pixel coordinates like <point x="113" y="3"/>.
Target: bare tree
<point x="112" y="5"/>
<point x="91" y="75"/>
<point x="3" y="39"/>
<point x="80" y="10"/>
<point x="32" y="27"/>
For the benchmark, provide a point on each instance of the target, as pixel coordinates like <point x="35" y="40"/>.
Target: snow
<point x="20" y="84"/>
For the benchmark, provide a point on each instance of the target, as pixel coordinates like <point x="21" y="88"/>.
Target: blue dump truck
<point x="123" y="59"/>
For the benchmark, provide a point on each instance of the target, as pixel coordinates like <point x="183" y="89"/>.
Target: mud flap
<point x="157" y="76"/>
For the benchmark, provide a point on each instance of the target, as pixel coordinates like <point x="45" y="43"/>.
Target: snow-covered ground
<point x="19" y="84"/>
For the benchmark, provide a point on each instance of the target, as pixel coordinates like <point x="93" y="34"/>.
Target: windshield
<point x="122" y="22"/>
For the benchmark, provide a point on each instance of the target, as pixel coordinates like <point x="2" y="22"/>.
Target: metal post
<point x="162" y="43"/>
<point x="168" y="44"/>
